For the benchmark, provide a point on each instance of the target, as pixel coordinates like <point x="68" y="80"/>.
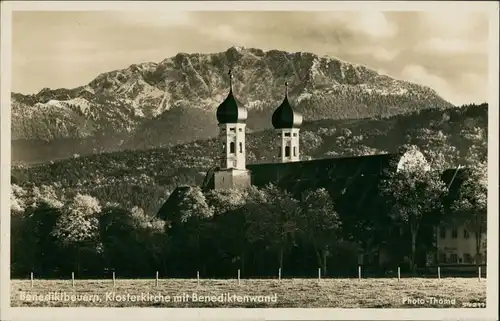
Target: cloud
<point x="446" y="51"/>
<point x="383" y="54"/>
<point x="422" y="76"/>
<point x="377" y="52"/>
<point x="75" y="45"/>
<point x="470" y="90"/>
<point x="382" y="71"/>
<point x="226" y="33"/>
<point x="447" y="46"/>
<point x="454" y="23"/>
<point x="363" y="23"/>
<point x="475" y="88"/>
<point x="153" y="19"/>
<point x="374" y="24"/>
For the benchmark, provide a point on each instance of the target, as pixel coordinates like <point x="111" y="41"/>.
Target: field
<point x="287" y="293"/>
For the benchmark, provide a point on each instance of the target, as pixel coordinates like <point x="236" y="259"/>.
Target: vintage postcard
<point x="249" y="160"/>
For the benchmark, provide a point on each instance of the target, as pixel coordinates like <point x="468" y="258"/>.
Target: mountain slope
<point x="174" y="101"/>
<point x="144" y="178"/>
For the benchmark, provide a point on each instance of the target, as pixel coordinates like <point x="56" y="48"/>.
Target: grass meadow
<point x="252" y="293"/>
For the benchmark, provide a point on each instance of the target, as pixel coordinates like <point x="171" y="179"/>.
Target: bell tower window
<point x="231" y="148"/>
<point x="241" y="147"/>
<point x="294" y="151"/>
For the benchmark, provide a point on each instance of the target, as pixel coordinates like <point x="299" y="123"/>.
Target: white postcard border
<point x="7" y="313"/>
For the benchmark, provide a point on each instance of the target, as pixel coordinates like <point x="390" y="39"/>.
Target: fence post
<point x="114" y="279"/>
<point x="198" y="277"/>
<point x="238" y="276"/>
<point x="439" y="272"/>
<point x="319" y="274"/>
<point x="279" y="274"/>
<point x="479" y="273"/>
<point x="399" y="273"/>
<point x="359" y="272"/>
<point x="156" y="278"/>
<point x="73" y="279"/>
<point x="31" y="279"/>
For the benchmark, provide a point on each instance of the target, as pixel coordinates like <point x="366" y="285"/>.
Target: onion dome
<point x="284" y="116"/>
<point x="230" y="111"/>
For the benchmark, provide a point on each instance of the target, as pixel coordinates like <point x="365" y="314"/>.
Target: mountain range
<point x="151" y="105"/>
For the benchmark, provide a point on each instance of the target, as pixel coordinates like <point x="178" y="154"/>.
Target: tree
<point x="438" y="148"/>
<point x="116" y="234"/>
<point x="78" y="226"/>
<point x="413" y="190"/>
<point x="274" y="217"/>
<point x="321" y="223"/>
<point x="194" y="214"/>
<point x="310" y="141"/>
<point x="149" y="233"/>
<point x="478" y="145"/>
<point x="17" y="199"/>
<point x="44" y="195"/>
<point x="33" y="216"/>
<point x="230" y="223"/>
<point x="226" y="200"/>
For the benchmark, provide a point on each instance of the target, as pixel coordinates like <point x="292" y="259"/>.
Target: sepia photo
<point x="293" y="160"/>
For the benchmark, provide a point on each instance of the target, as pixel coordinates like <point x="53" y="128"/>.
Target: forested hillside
<point x="144" y="178"/>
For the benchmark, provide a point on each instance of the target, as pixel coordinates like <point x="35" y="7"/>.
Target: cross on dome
<point x="284" y="116"/>
<point x="230" y="111"/>
<point x="230" y="73"/>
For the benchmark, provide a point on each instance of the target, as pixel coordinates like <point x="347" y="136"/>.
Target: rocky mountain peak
<point x="156" y="103"/>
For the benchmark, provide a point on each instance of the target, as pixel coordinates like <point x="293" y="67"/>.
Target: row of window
<point x="454" y="233"/>
<point x="288" y="135"/>
<point x="454" y="258"/>
<point x="240" y="145"/>
<point x="232" y="147"/>
<point x="233" y="129"/>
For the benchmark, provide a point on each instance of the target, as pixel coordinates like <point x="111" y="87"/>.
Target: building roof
<point x="295" y="176"/>
<point x="298" y="176"/>
<point x="335" y="174"/>
<point x="284" y="116"/>
<point x="230" y="111"/>
<point x="173" y="202"/>
<point x="353" y="182"/>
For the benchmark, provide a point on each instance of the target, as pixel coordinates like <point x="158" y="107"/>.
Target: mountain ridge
<point x="154" y="104"/>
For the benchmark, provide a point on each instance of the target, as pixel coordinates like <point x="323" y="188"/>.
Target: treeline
<point x="255" y="230"/>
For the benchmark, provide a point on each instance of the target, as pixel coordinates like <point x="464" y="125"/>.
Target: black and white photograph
<point x="253" y="155"/>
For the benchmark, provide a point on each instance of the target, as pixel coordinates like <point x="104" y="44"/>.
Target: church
<point x="351" y="181"/>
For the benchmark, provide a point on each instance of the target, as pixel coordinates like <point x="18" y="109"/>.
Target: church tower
<point x="287" y="123"/>
<point x="231" y="116"/>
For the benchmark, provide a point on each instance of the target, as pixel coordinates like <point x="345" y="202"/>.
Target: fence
<point x="360" y="275"/>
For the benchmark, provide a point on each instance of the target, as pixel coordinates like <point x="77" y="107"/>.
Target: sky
<point x="64" y="49"/>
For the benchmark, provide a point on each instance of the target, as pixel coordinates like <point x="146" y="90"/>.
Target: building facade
<point x="457" y="245"/>
<point x="232" y="171"/>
